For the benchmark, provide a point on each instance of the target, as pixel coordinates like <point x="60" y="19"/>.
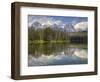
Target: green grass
<point x="51" y="41"/>
<point x="59" y="41"/>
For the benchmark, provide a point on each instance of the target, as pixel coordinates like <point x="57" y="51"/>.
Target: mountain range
<point x="64" y="27"/>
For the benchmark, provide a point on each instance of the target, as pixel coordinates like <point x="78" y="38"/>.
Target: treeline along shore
<point x="49" y="35"/>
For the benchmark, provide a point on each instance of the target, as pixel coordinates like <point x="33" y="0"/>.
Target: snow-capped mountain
<point x="65" y="27"/>
<point x="36" y="25"/>
<point x="69" y="28"/>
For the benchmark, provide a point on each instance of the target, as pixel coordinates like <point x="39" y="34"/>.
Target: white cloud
<point x="58" y="22"/>
<point x="81" y="26"/>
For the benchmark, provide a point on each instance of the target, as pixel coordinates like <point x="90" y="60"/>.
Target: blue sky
<point x="67" y="19"/>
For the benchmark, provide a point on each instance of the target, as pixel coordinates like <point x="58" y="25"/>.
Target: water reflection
<point x="56" y="54"/>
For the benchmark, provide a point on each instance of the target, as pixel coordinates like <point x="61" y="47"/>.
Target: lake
<point x="57" y="54"/>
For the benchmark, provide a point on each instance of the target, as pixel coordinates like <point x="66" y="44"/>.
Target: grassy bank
<point x="51" y="41"/>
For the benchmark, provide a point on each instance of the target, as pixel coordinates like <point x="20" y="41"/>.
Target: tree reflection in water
<point x="57" y="54"/>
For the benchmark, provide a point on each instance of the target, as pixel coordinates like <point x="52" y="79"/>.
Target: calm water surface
<point x="57" y="54"/>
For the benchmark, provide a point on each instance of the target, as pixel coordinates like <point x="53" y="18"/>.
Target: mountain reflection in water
<point x="57" y="54"/>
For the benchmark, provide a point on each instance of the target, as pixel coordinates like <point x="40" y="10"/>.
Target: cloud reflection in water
<point x="71" y="56"/>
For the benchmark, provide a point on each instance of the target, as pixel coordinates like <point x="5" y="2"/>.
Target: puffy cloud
<point x="81" y="26"/>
